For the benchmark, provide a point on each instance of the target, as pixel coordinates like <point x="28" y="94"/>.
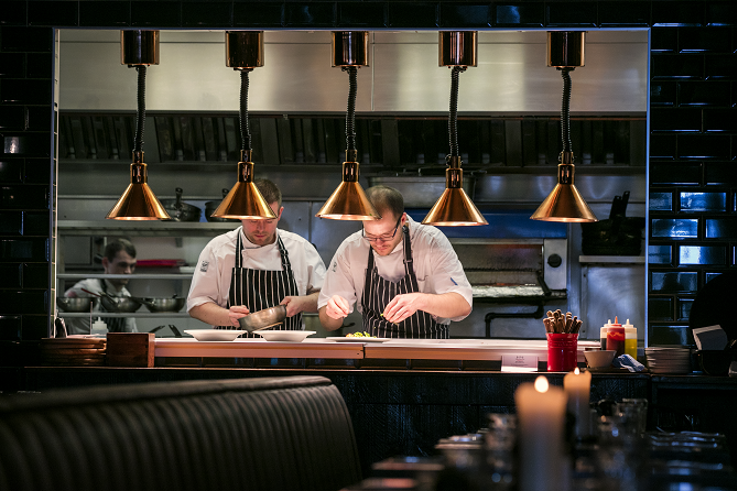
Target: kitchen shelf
<point x="612" y="259"/>
<point x="147" y="228"/>
<point x="152" y="276"/>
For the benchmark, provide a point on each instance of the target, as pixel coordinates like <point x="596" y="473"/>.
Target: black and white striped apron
<point x="378" y="292"/>
<point x="259" y="289"/>
<point x="114" y="324"/>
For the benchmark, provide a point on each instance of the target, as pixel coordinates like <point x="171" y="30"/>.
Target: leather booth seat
<point x="281" y="433"/>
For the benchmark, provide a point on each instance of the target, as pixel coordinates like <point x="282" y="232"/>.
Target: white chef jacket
<point x="211" y="279"/>
<point x="435" y="263"/>
<point x="81" y="325"/>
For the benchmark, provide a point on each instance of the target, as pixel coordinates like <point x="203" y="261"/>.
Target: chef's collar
<point x="247" y="244"/>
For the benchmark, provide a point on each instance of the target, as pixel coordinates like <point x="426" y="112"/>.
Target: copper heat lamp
<point x="565" y="203"/>
<point x="139" y="49"/>
<point x="348" y="201"/>
<point x="454" y="207"/>
<point x="244" y="52"/>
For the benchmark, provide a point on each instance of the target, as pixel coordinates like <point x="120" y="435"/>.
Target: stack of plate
<point x="668" y="360"/>
<point x="76" y="351"/>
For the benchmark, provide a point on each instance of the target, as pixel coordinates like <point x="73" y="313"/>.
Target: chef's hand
<point x="236" y="312"/>
<point x="295" y="305"/>
<point x="337" y="307"/>
<point x="403" y="306"/>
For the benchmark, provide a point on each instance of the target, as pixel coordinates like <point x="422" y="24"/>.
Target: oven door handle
<point x="543" y="285"/>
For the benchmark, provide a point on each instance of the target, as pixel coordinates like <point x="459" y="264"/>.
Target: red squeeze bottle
<point x="615" y="338"/>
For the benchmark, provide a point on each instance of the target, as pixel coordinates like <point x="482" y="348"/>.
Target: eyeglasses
<point x="382" y="238"/>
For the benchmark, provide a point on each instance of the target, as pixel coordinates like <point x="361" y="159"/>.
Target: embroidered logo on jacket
<point x="203" y="266"/>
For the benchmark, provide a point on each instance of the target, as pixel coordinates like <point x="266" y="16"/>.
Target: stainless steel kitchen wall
<point x="404" y="75"/>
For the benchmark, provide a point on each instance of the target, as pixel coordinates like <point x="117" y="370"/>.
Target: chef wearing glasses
<point x="404" y="277"/>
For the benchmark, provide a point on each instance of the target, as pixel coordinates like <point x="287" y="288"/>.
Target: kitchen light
<point x="244" y="52"/>
<point x="454" y="207"/>
<point x="565" y="203"/>
<point x="348" y="201"/>
<point x="139" y="49"/>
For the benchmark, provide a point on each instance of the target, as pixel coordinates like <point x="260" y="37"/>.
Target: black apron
<point x="114" y="324"/>
<point x="378" y="292"/>
<point x="258" y="289"/>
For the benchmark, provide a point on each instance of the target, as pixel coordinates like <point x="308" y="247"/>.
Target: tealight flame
<point x="541" y="384"/>
<point x="576" y="371"/>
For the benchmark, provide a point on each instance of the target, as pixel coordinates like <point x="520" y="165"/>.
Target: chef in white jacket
<point x="254" y="267"/>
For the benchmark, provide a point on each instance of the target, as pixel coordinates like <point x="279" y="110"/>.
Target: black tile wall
<point x="693" y="149"/>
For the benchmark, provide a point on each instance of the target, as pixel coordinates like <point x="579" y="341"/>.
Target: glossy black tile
<point x="360" y="14"/>
<point x="670" y="335"/>
<point x="661" y="201"/>
<point x="94" y="13"/>
<point x="10" y="327"/>
<point x="12" y="118"/>
<point x="36" y="223"/>
<point x="624" y="13"/>
<point x="672" y="173"/>
<point x="52" y="13"/>
<point x="156" y="14"/>
<point x="702" y="255"/>
<point x="15" y="250"/>
<point x="39" y="65"/>
<point x="720" y="174"/>
<point x="708" y="276"/>
<point x="23" y="302"/>
<point x="308" y="14"/>
<point x="38" y="118"/>
<point x="709" y="93"/>
<point x="704" y="147"/>
<point x="418" y="14"/>
<point x="665" y="66"/>
<point x="670" y="14"/>
<point x="11" y="222"/>
<point x="24" y="197"/>
<point x="721" y="13"/>
<point x="35" y="275"/>
<point x="699" y="201"/>
<point x="684" y="309"/>
<point x="720" y="120"/>
<point x="530" y="14"/>
<point x="675" y="119"/>
<point x="583" y="14"/>
<point x="660" y="309"/>
<point x="662" y="146"/>
<point x="33" y="39"/>
<point x="704" y="39"/>
<point x="465" y="15"/>
<point x="674" y="228"/>
<point x="659" y="254"/>
<point x="721" y="67"/>
<point x="11" y="275"/>
<point x="721" y="228"/>
<point x="20" y="91"/>
<point x="663" y="93"/>
<point x="11" y="171"/>
<point x="203" y="14"/>
<point x="258" y="14"/>
<point x="35" y="327"/>
<point x="674" y="282"/>
<point x="13" y="13"/>
<point x="26" y="144"/>
<point x="12" y="65"/>
<point x="663" y="40"/>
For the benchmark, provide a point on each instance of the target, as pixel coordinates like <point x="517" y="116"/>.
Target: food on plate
<point x="357" y="334"/>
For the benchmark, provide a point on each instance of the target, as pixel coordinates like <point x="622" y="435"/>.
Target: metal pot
<point x="211" y="206"/>
<point x="264" y="318"/>
<point x="166" y="304"/>
<point x="180" y="211"/>
<point x="120" y="304"/>
<point x="75" y="304"/>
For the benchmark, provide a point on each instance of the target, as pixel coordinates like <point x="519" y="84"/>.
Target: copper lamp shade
<point x="244" y="49"/>
<point x="566" y="49"/>
<point x="350" y="48"/>
<point x="138" y="202"/>
<point x="454" y="208"/>
<point x="139" y="48"/>
<point x="244" y="201"/>
<point x="564" y="203"/>
<point x="349" y="201"/>
<point x="458" y="48"/>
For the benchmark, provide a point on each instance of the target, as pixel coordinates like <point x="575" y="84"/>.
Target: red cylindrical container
<point x="615" y="338"/>
<point x="562" y="352"/>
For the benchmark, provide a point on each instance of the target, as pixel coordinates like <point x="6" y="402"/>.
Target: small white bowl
<point x="599" y="358"/>
<point x="284" y="335"/>
<point x="214" y="334"/>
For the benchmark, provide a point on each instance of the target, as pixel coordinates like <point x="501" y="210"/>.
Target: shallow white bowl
<point x="275" y="335"/>
<point x="214" y="334"/>
<point x="599" y="358"/>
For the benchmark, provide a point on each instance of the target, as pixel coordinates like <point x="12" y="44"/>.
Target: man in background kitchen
<point x="119" y="258"/>
<point x="254" y="267"/>
<point x="405" y="277"/>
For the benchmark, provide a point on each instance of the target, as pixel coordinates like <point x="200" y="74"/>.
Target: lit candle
<point x="577" y="386"/>
<point x="541" y="412"/>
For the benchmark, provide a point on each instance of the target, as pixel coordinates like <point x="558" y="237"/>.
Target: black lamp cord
<point x="565" y="116"/>
<point x="453" y="117"/>
<point x="138" y="141"/>
<point x="243" y="114"/>
<point x="350" y="118"/>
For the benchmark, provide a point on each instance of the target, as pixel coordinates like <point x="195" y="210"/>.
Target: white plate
<point x="344" y="339"/>
<point x="286" y="335"/>
<point x="214" y="334"/>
